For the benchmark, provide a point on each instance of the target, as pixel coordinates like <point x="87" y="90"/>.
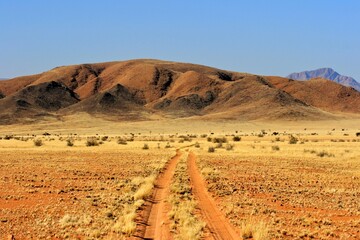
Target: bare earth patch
<point x="292" y="193"/>
<point x="70" y="193"/>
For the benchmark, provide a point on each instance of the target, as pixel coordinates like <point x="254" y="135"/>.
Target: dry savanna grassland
<point x="178" y="181"/>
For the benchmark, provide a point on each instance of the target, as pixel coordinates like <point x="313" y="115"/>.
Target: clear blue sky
<point x="257" y="36"/>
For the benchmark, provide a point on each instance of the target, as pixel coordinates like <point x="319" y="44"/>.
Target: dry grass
<point x="294" y="192"/>
<point x="61" y="192"/>
<point x="184" y="221"/>
<point x="257" y="230"/>
<point x="303" y="190"/>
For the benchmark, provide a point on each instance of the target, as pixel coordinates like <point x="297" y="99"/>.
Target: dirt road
<point x="219" y="226"/>
<point x="155" y="220"/>
<point x="157" y="223"/>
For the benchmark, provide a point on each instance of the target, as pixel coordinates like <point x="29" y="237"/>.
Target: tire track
<point x="219" y="226"/>
<point x="157" y="223"/>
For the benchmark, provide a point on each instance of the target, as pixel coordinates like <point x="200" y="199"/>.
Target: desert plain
<point x="180" y="179"/>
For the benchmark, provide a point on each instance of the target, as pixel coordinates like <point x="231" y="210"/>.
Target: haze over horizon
<point x="260" y="37"/>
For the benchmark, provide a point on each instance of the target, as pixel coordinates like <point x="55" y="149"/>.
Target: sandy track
<point x="157" y="224"/>
<point x="219" y="226"/>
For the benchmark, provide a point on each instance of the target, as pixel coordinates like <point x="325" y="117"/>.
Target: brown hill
<point x="141" y="89"/>
<point x="33" y="101"/>
<point x="10" y="86"/>
<point x="118" y="102"/>
<point x="321" y="93"/>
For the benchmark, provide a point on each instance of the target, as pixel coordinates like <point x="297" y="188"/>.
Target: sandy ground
<point x="260" y="186"/>
<point x="85" y="124"/>
<point x="215" y="219"/>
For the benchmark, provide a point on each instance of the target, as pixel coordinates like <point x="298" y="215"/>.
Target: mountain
<point x="153" y="89"/>
<point x="321" y="93"/>
<point x="327" y="73"/>
<point x="34" y="101"/>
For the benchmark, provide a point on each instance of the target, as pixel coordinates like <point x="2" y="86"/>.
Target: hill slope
<point x="148" y="89"/>
<point x="321" y="93"/>
<point x="327" y="73"/>
<point x="41" y="100"/>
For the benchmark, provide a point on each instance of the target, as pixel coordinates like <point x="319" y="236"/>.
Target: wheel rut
<point x="156" y="221"/>
<point x="217" y="223"/>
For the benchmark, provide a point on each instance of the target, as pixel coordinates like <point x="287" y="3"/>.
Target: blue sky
<point x="259" y="36"/>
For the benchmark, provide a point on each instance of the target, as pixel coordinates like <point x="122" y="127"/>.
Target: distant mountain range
<point x="327" y="73"/>
<point x="148" y="89"/>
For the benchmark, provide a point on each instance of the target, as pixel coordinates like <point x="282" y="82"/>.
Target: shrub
<point x="324" y="154"/>
<point x="146" y="146"/>
<point x="219" y="145"/>
<point x="236" y="139"/>
<point x="104" y="138"/>
<point x="211" y="149"/>
<point x="275" y="148"/>
<point x="293" y="140"/>
<point x="358" y="134"/>
<point x="229" y="147"/>
<point x="70" y="142"/>
<point x="38" y="142"/>
<point x="219" y="140"/>
<point x="121" y="141"/>
<point x="197" y="145"/>
<point x="254" y="230"/>
<point x="8" y="137"/>
<point x="167" y="145"/>
<point x="90" y="142"/>
<point x="185" y="138"/>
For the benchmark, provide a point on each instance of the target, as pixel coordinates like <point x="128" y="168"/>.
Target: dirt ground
<point x="260" y="185"/>
<point x="306" y="190"/>
<point x="59" y="192"/>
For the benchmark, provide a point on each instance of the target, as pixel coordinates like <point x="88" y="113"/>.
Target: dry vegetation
<point x="280" y="189"/>
<point x="269" y="184"/>
<point x="68" y="192"/>
<point x="184" y="221"/>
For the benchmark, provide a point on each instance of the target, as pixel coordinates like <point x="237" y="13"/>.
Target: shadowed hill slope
<point x="321" y="93"/>
<point x="36" y="101"/>
<point x="148" y="89"/>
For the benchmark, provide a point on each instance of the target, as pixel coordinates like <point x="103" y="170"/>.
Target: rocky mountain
<point x="326" y="73"/>
<point x="154" y="89"/>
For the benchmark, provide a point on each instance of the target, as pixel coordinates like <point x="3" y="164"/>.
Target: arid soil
<point x="73" y="192"/>
<point x="216" y="185"/>
<point x="157" y="226"/>
<point x="217" y="223"/>
<point x="308" y="190"/>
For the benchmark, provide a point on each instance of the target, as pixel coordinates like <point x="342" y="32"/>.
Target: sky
<point x="257" y="36"/>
